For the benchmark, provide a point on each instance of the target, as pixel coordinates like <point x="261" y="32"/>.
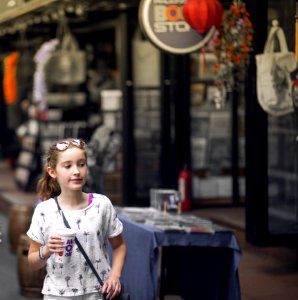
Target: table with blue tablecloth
<point x="200" y="265"/>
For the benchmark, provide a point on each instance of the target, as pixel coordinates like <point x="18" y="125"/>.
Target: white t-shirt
<point x="94" y="224"/>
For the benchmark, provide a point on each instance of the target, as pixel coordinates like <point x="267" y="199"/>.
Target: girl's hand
<point x="111" y="287"/>
<point x="53" y="245"/>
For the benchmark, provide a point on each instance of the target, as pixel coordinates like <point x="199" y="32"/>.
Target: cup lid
<point x="66" y="232"/>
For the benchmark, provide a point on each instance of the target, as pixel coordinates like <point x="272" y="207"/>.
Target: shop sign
<point x="163" y="24"/>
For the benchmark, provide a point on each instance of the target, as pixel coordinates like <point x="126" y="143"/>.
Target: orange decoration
<point x="233" y="43"/>
<point x="9" y="78"/>
<point x="201" y="15"/>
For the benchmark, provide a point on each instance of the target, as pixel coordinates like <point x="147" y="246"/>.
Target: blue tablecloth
<point x="212" y="259"/>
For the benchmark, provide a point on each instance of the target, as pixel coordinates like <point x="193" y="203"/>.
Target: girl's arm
<point x="112" y="286"/>
<point x="33" y="256"/>
<point x="38" y="254"/>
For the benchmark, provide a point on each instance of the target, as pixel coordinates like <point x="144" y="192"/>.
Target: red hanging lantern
<point x="201" y="15"/>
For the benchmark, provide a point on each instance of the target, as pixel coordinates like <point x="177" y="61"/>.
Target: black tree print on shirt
<point x="78" y="222"/>
<point x="80" y="279"/>
<point x="41" y="230"/>
<point x="67" y="278"/>
<point x="61" y="267"/>
<point x="97" y="262"/>
<point x="98" y="206"/>
<point x="74" y="290"/>
<point x="86" y="233"/>
<point x="61" y="292"/>
<point x="86" y="266"/>
<point x="42" y="214"/>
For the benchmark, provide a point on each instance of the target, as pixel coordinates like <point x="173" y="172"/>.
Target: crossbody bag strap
<point x="79" y="245"/>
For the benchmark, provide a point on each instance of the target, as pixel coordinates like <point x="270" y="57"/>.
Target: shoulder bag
<point x="122" y="295"/>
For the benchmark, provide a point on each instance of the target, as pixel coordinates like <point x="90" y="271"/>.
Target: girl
<point x="91" y="215"/>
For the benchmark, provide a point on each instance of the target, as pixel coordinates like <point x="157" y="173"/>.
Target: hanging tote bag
<point x="67" y="65"/>
<point x="274" y="84"/>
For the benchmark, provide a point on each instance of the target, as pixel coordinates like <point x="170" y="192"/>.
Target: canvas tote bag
<point x="67" y="65"/>
<point x="274" y="84"/>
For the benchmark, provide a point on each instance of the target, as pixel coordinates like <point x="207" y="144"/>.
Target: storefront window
<point x="282" y="173"/>
<point x="282" y="144"/>
<point x="212" y="135"/>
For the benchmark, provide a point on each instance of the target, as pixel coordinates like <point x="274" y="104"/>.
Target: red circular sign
<point x="163" y="23"/>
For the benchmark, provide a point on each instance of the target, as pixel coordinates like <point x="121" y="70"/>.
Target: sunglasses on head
<point x="65" y="144"/>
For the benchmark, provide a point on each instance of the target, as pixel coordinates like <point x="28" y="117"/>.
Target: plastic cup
<point x="68" y="236"/>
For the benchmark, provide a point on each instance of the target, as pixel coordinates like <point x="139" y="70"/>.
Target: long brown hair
<point x="47" y="186"/>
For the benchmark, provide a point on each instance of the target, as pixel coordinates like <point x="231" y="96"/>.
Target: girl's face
<point x="71" y="169"/>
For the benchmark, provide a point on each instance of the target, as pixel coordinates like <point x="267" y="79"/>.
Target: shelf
<point x="25" y="8"/>
<point x="291" y="176"/>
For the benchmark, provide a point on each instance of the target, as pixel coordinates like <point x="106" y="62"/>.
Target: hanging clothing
<point x="10" y="80"/>
<point x="11" y="90"/>
<point x="41" y="57"/>
<point x="3" y="127"/>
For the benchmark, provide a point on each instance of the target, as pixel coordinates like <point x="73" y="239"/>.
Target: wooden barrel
<point x="31" y="281"/>
<point x="19" y="222"/>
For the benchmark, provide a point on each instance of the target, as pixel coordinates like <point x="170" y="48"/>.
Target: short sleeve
<point x="35" y="231"/>
<point x="114" y="225"/>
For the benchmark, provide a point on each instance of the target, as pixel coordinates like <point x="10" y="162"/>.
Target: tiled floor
<point x="264" y="274"/>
